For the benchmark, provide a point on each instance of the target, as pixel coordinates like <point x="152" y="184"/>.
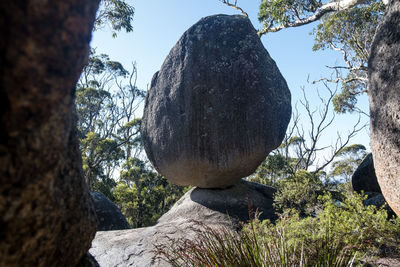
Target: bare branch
<point x="235" y="6"/>
<point x="341" y="144"/>
<point x="339" y="79"/>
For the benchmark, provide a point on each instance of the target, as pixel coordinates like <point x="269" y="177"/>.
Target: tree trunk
<point x="46" y="215"/>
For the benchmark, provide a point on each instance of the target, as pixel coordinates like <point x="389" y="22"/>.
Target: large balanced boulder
<point x="109" y="216"/>
<point x="364" y="178"/>
<point x="46" y="214"/>
<point x="198" y="207"/>
<point x="217" y="106"/>
<point x="384" y="95"/>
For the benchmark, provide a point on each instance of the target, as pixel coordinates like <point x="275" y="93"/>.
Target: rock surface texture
<point x="46" y="214"/>
<point x="135" y="247"/>
<point x="364" y="178"/>
<point x="384" y="79"/>
<point x="109" y="216"/>
<point x="217" y="106"/>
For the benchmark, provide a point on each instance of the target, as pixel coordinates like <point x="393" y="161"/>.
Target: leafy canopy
<point x="116" y="14"/>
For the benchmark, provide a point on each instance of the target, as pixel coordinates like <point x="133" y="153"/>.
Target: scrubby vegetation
<point x="319" y="224"/>
<point x="344" y="234"/>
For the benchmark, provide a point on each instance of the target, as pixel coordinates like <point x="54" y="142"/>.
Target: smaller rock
<point x="214" y="208"/>
<point x="108" y="214"/>
<point x="364" y="178"/>
<point x="239" y="202"/>
<point x="378" y="200"/>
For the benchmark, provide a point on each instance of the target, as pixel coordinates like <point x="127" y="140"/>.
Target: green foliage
<point x="353" y="150"/>
<point x="98" y="155"/>
<point x="117" y="14"/>
<point x="351" y="31"/>
<point x="344" y="234"/>
<point x="344" y="168"/>
<point x="348" y="223"/>
<point x="366" y="227"/>
<point x="272" y="169"/>
<point x="106" y="100"/>
<point x="348" y="159"/>
<point x="104" y="185"/>
<point x="346" y="100"/>
<point x="279" y="164"/>
<point x="273" y="13"/>
<point x="297" y="192"/>
<point x="142" y="195"/>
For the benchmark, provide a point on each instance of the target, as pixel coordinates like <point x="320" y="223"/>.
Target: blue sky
<point x="158" y="24"/>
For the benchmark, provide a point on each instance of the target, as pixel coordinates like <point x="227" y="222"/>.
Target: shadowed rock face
<point x="384" y="78"/>
<point x="364" y="178"/>
<point x="109" y="216"/>
<point x="217" y="107"/>
<point x="239" y="202"/>
<point x="46" y="215"/>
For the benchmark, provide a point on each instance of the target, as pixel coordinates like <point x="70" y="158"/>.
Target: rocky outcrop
<point x="384" y="95"/>
<point x="46" y="214"/>
<point x="211" y="207"/>
<point x="239" y="202"/>
<point x="364" y="178"/>
<point x="217" y="107"/>
<point x="109" y="216"/>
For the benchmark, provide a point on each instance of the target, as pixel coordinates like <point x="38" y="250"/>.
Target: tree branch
<point x="235" y="6"/>
<point x="326" y="8"/>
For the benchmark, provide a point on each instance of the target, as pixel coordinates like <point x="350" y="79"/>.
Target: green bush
<point x="297" y="192"/>
<point x="343" y="234"/>
<point x="142" y="195"/>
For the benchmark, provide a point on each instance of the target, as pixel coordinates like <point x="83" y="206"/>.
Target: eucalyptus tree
<point x="107" y="98"/>
<point x="116" y="15"/>
<point x="346" y="26"/>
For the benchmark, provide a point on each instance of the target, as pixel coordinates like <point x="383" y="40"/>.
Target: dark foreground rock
<point x="46" y="214"/>
<point x="211" y="207"/>
<point x="364" y="178"/>
<point x="384" y="95"/>
<point x="109" y="216"/>
<point x="217" y="106"/>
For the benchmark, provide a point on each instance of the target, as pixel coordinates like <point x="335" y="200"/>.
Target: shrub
<point x="258" y="244"/>
<point x="342" y="235"/>
<point x="297" y="192"/>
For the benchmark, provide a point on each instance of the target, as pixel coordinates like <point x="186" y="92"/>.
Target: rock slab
<point x="384" y="95"/>
<point x="135" y="247"/>
<point x="46" y="214"/>
<point x="109" y="216"/>
<point x="217" y="107"/>
<point x="364" y="178"/>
